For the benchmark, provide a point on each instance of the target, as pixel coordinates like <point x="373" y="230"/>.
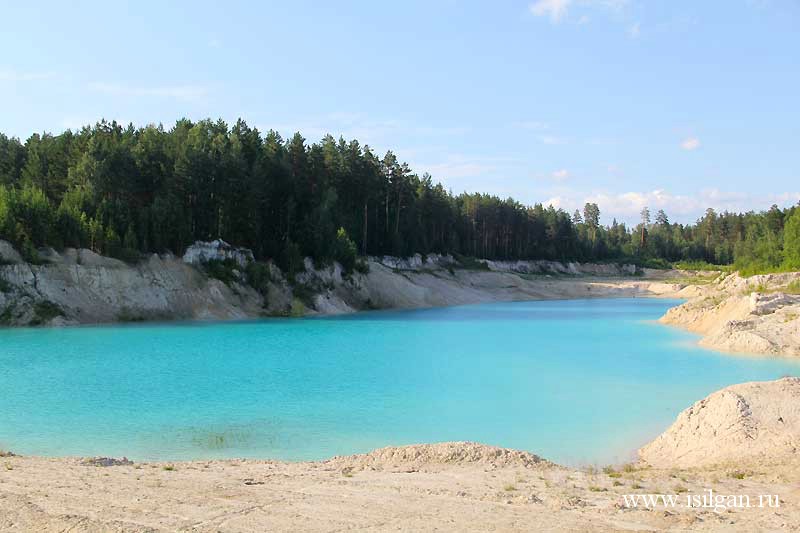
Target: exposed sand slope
<point x="746" y="422"/>
<point x="749" y="315"/>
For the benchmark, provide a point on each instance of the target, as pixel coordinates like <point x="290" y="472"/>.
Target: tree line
<point x="124" y="191"/>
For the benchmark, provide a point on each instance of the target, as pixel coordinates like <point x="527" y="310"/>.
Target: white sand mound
<point x="440" y="454"/>
<point x="750" y="421"/>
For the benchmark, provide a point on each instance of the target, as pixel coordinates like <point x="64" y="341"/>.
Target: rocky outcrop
<point x="8" y="255"/>
<point x="80" y="286"/>
<point x="415" y="262"/>
<point x="387" y="288"/>
<point x="216" y="250"/>
<point x="748" y="315"/>
<point x="555" y="267"/>
<point x="741" y="423"/>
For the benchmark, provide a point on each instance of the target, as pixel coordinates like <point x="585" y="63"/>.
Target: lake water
<point x="581" y="381"/>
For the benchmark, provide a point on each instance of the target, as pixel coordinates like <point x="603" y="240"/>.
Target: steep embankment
<point x="749" y="315"/>
<point x="79" y="286"/>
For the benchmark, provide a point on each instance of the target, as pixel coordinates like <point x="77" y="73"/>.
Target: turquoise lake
<point x="580" y="381"/>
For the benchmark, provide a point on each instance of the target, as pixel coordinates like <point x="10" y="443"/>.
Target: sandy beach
<point x="434" y="493"/>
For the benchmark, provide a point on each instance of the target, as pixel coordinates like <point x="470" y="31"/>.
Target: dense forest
<point x="124" y="191"/>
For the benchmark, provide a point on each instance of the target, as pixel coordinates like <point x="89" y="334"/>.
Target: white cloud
<point x="692" y="143"/>
<point x="378" y="134"/>
<point x="626" y="206"/>
<point x="465" y="166"/>
<point x="457" y="169"/>
<point x="551" y="140"/>
<point x="555" y="9"/>
<point x="534" y="125"/>
<point x="178" y="92"/>
<point x="560" y="175"/>
<point x="557" y="202"/>
<point x="635" y="30"/>
<point x="16" y="76"/>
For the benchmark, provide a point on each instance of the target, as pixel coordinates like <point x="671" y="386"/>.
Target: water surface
<point x="580" y="381"/>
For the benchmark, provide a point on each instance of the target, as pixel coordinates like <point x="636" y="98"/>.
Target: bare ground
<point x="447" y="487"/>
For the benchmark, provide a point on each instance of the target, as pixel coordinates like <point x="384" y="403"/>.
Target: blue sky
<point x="671" y="104"/>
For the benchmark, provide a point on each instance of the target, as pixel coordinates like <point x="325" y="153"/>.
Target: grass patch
<point x="510" y="487"/>
<point x="595" y="488"/>
<point x="701" y="279"/>
<point x="617" y="483"/>
<point x="738" y="474"/>
<point x="610" y="472"/>
<point x="701" y="265"/>
<point x="298" y="308"/>
<point x="792" y="288"/>
<point x="169" y="468"/>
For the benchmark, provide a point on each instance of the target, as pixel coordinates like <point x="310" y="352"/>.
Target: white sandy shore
<point x="756" y="315"/>
<point x="356" y="493"/>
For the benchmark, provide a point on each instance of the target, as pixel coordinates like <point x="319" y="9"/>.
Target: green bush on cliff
<point x="344" y="251"/>
<point x="45" y="311"/>
<point x="222" y="269"/>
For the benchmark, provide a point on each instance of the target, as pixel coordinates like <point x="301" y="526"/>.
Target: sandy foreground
<point x="444" y="487"/>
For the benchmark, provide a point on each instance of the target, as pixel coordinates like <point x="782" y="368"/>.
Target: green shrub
<point x="258" y="276"/>
<point x="298" y="308"/>
<point x="470" y="263"/>
<point x="362" y="266"/>
<point x="700" y="265"/>
<point x="44" y="312"/>
<point x="345" y="251"/>
<point x="653" y="262"/>
<point x="222" y="270"/>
